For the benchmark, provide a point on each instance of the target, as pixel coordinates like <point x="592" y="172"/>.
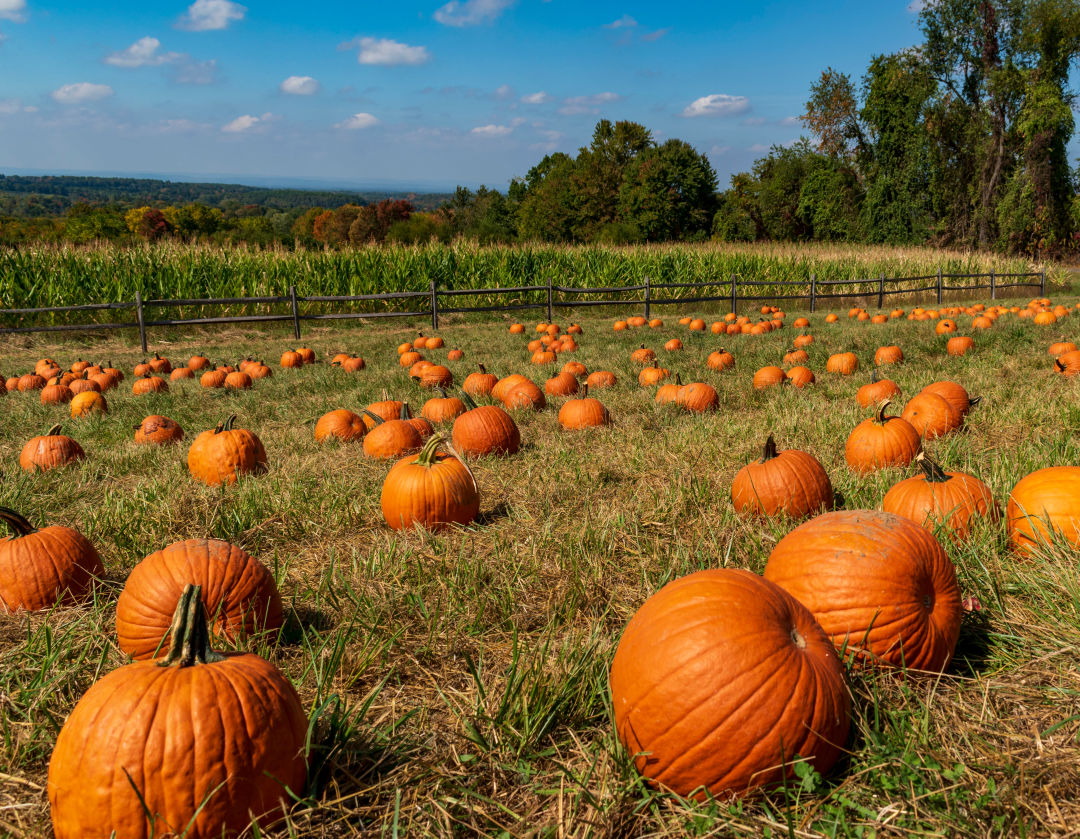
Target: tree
<point x="668" y="192"/>
<point x="598" y="173"/>
<point x="548" y="210"/>
<point x="832" y="115"/>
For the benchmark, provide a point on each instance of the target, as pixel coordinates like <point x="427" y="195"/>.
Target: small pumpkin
<point x="32" y="381"/>
<point x="876" y="391"/>
<point x="353" y="364"/>
<point x="238" y="380"/>
<point x="442" y="408"/>
<point x="796" y="356"/>
<point x="481" y="383"/>
<point x="387" y="409"/>
<point x="83" y="385"/>
<point x="88" y="402"/>
<point x="576" y="369"/>
<point x="223" y="454"/>
<point x="40" y="568"/>
<point x="937" y="498"/>
<point x="698" y="398"/>
<point x="158" y="429"/>
<point x="391" y="438"/>
<point x="160" y="365"/>
<point x="959" y="344"/>
<point x="674" y="345"/>
<point x="666" y="394"/>
<point x="600" y="379"/>
<point x="642" y="355"/>
<point x="803" y="341"/>
<point x="844" y="363"/>
<point x="800" y="376"/>
<point x="410" y="358"/>
<point x="436" y="375"/>
<point x="149" y="384"/>
<point x="57" y="394"/>
<point x="198" y="362"/>
<point x="881" y="441"/>
<point x="932" y="415"/>
<point x="432" y="489"/>
<point x="455" y="355"/>
<point x="213" y="379"/>
<point x="50" y="450"/>
<point x="720" y="360"/>
<point x="341" y="424"/>
<point x="652" y="375"/>
<point x="562" y="384"/>
<point x="179" y="373"/>
<point x="485" y="430"/>
<point x="789" y="482"/>
<point x="583" y="412"/>
<point x="769" y="376"/>
<point x="890" y="354"/>
<point x="524" y="394"/>
<point x="1068" y="364"/>
<point x="955" y="394"/>
<point x="290" y="360"/>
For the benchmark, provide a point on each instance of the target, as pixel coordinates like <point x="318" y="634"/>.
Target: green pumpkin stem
<point x="406" y="414"/>
<point x="874" y="376"/>
<point x="52" y="432"/>
<point x="374" y="417"/>
<point x="881" y="418"/>
<point x="19" y="525"/>
<point x="931" y="470"/>
<point x="470" y="403"/>
<point x="189" y="637"/>
<point x="226" y="426"/>
<point x="975" y="401"/>
<point x="427" y="456"/>
<point x="768" y="451"/>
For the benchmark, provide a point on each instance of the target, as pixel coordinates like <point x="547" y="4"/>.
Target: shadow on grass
<point x="300" y="620"/>
<point x="973" y="649"/>
<point x="501" y="510"/>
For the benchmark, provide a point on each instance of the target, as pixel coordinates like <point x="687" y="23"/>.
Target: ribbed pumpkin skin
<point x="844" y="363"/>
<point x="600" y="379"/>
<point x="800" y="376"/>
<point x="49" y="451"/>
<point x="768" y="377"/>
<point x="392" y="439"/>
<point x="953" y="393"/>
<point x="931" y="415"/>
<point x="342" y="424"/>
<point x="181" y="733"/>
<point x="1051" y="494"/>
<point x="721" y="678"/>
<point x="479" y="384"/>
<point x="583" y="413"/>
<point x="952" y="503"/>
<point x="158" y="429"/>
<point x="525" y="394"/>
<point x="698" y="398"/>
<point x="239" y="593"/>
<point x="877" y="583"/>
<point x="388" y="409"/>
<point x="444" y="409"/>
<point x="875" y="393"/>
<point x="51" y="565"/>
<point x="875" y="445"/>
<point x="430" y="496"/>
<point x="486" y="430"/>
<point x="221" y="457"/>
<point x="891" y="354"/>
<point x="88" y="402"/>
<point x="793" y="483"/>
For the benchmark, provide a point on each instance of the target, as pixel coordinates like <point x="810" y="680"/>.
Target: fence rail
<point x="555" y="297"/>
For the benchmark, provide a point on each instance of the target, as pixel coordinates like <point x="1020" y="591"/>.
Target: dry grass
<point x="459" y="680"/>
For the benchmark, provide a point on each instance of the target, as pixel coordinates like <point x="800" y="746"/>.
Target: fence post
<point x="139" y="316"/>
<point x="550" y="317"/>
<point x="939" y="286"/>
<point x="881" y="291"/>
<point x="1042" y="283"/>
<point x="434" y="306"/>
<point x="813" y="292"/>
<point x="295" y="312"/>
<point x="993" y="285"/>
<point x="734" y="296"/>
<point x="648" y="295"/>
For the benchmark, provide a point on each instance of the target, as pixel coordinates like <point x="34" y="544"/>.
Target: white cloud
<point x="788" y="121"/>
<point x="14" y="10"/>
<point x="758" y="148"/>
<point x="717" y="105"/>
<point x="587" y="104"/>
<point x="194" y="72"/>
<point x="246" y="123"/>
<point x="143" y="53"/>
<point x="625" y="22"/>
<point x="207" y="15"/>
<point x="538" y="98"/>
<point x="719" y="151"/>
<point x="358" y="121"/>
<point x="471" y="12"/>
<point x="655" y="36"/>
<point x="299" y="86"/>
<point x="754" y="121"/>
<point x="386" y="52"/>
<point x="79" y="92"/>
<point x="491" y="130"/>
<point x="10" y="106"/>
<point x="504" y="91"/>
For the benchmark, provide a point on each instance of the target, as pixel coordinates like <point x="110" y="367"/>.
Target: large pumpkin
<point x="485" y="430"/>
<point x="585" y="412"/>
<point x="879" y="584"/>
<point x="932" y="415"/>
<point x="223" y="454"/>
<point x="205" y="742"/>
<point x="720" y="680"/>
<point x="432" y="489"/>
<point x="1043" y="503"/>
<point x="789" y="482"/>
<point x="340" y="424"/>
<point x="40" y="568"/>
<point x="881" y="441"/>
<point x="937" y="498"/>
<point x="50" y="450"/>
<point x="240" y="595"/>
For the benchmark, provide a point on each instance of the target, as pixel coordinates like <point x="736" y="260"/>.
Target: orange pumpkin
<point x="50" y="450"/>
<point x="769" y="377"/>
<point x="431" y="489"/>
<point x="800" y="376"/>
<point x="844" y="363"/>
<point x="878" y="390"/>
<point x="442" y="408"/>
<point x="88" y="402"/>
<point x="391" y="438"/>
<point x="720" y="360"/>
<point x="342" y="424"/>
<point x="584" y="412"/>
<point x="223" y="454"/>
<point x="891" y="354"/>
<point x="788" y="482"/>
<point x="931" y="415"/>
<point x="158" y="429"/>
<point x="1044" y="506"/>
<point x="937" y="498"/>
<point x="881" y="441"/>
<point x="600" y="379"/>
<point x="485" y="430"/>
<point x="959" y="344"/>
<point x="652" y="375"/>
<point x="698" y="398"/>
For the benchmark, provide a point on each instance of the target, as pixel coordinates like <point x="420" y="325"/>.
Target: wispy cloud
<point x="208" y="15"/>
<point x="13" y="10"/>
<point x="190" y="71"/>
<point x="143" y="53"/>
<point x="717" y="105"/>
<point x="80" y="92"/>
<point x="492" y="130"/>
<point x="358" y="121"/>
<point x="538" y="98"/>
<point x="719" y="151"/>
<point x="245" y="123"/>
<point x="504" y="91"/>
<point x="789" y="121"/>
<point x="758" y="148"/>
<point x="471" y="12"/>
<point x="386" y="52"/>
<point x="648" y="37"/>
<point x="299" y="86"/>
<point x="625" y="22"/>
<point x="587" y="104"/>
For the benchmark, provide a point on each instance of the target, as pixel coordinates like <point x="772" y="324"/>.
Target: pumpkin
<point x="959" y="344"/>
<point x="387" y="409"/>
<point x="803" y="341"/>
<point x="600" y="379"/>
<point x="334" y="362"/>
<point x="198" y="362"/>
<point x="525" y="394"/>
<point x="697" y="325"/>
<point x="636" y="321"/>
<point x="149" y="384"/>
<point x="419" y="367"/>
<point x="57" y="394"/>
<point x="698" y="398"/>
<point x="789" y="482"/>
<point x="117" y="757"/>
<point x="50" y="450"/>
<point x="563" y="384"/>
<point x="667" y="394"/>
<point x="844" y="363"/>
<point x="796" y="357"/>
<point x="881" y="441"/>
<point x="306" y="354"/>
<point x="410" y="358"/>
<point x="891" y="354"/>
<point x="945" y="326"/>
<point x="1045" y="318"/>
<point x="422" y="425"/>
<point x="223" y="454"/>
<point x="708" y="704"/>
<point x="954" y="394"/>
<point x="241" y="597"/>
<point x="536" y="346"/>
<point x="88" y="402"/>
<point x="880" y="585"/>
<point x="160" y="365"/>
<point x="350" y="365"/>
<point x="1061" y="347"/>
<point x="32" y="381"/>
<point x="673" y="345"/>
<point x="576" y="369"/>
<point x="291" y="360"/>
<point x="213" y="379"/>
<point x="158" y="429"/>
<point x="341" y="424"/>
<point x="932" y="415"/>
<point x="574" y="329"/>
<point x="720" y="360"/>
<point x="83" y="385"/>
<point x="769" y="376"/>
<point x="542" y="357"/>
<point x="652" y="375"/>
<point x="799" y="376"/>
<point x="832" y="317"/>
<point x="584" y="412"/>
<point x="106" y="381"/>
<point x="391" y="438"/>
<point x="79" y="366"/>
<point x="443" y="408"/>
<point x="479" y="384"/>
<point x="937" y="498"/>
<point x="40" y="568"/>
<point x="485" y="430"/>
<point x="432" y="489"/>
<point x="455" y="355"/>
<point x="642" y="355"/>
<point x="517" y="328"/>
<point x="1043" y="503"/>
<point x="435" y="375"/>
<point x="876" y="391"/>
<point x="1068" y="364"/>
<point x="619" y="325"/>
<point x="434" y="343"/>
<point x="179" y="373"/>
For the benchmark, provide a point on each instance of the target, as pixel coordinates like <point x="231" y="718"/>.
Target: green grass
<point x="458" y="681"/>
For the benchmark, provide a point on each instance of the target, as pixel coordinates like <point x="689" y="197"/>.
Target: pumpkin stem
<point x="405" y="412"/>
<point x="19" y="526"/>
<point x="188" y="635"/>
<point x="225" y="426"/>
<point x="483" y="369"/>
<point x="1058" y="365"/>
<point x="470" y="403"/>
<point x="881" y="411"/>
<point x="427" y="454"/>
<point x="585" y="389"/>
<point x="973" y="402"/>
<point x="678" y="380"/>
<point x="932" y="470"/>
<point x="375" y="418"/>
<point x="442" y="392"/>
<point x="768" y="452"/>
<point x="52" y="432"/>
<point x="874" y="376"/>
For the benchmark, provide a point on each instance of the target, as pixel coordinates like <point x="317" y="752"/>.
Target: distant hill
<point x="37" y="196"/>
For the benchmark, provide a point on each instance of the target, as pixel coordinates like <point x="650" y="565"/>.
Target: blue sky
<point x="414" y="93"/>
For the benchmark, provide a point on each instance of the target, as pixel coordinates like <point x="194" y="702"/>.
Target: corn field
<point x="45" y="276"/>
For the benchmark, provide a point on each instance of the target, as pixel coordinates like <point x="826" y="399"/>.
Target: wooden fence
<point x="425" y="304"/>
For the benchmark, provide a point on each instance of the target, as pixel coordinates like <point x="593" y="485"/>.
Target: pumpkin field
<point x="576" y="613"/>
